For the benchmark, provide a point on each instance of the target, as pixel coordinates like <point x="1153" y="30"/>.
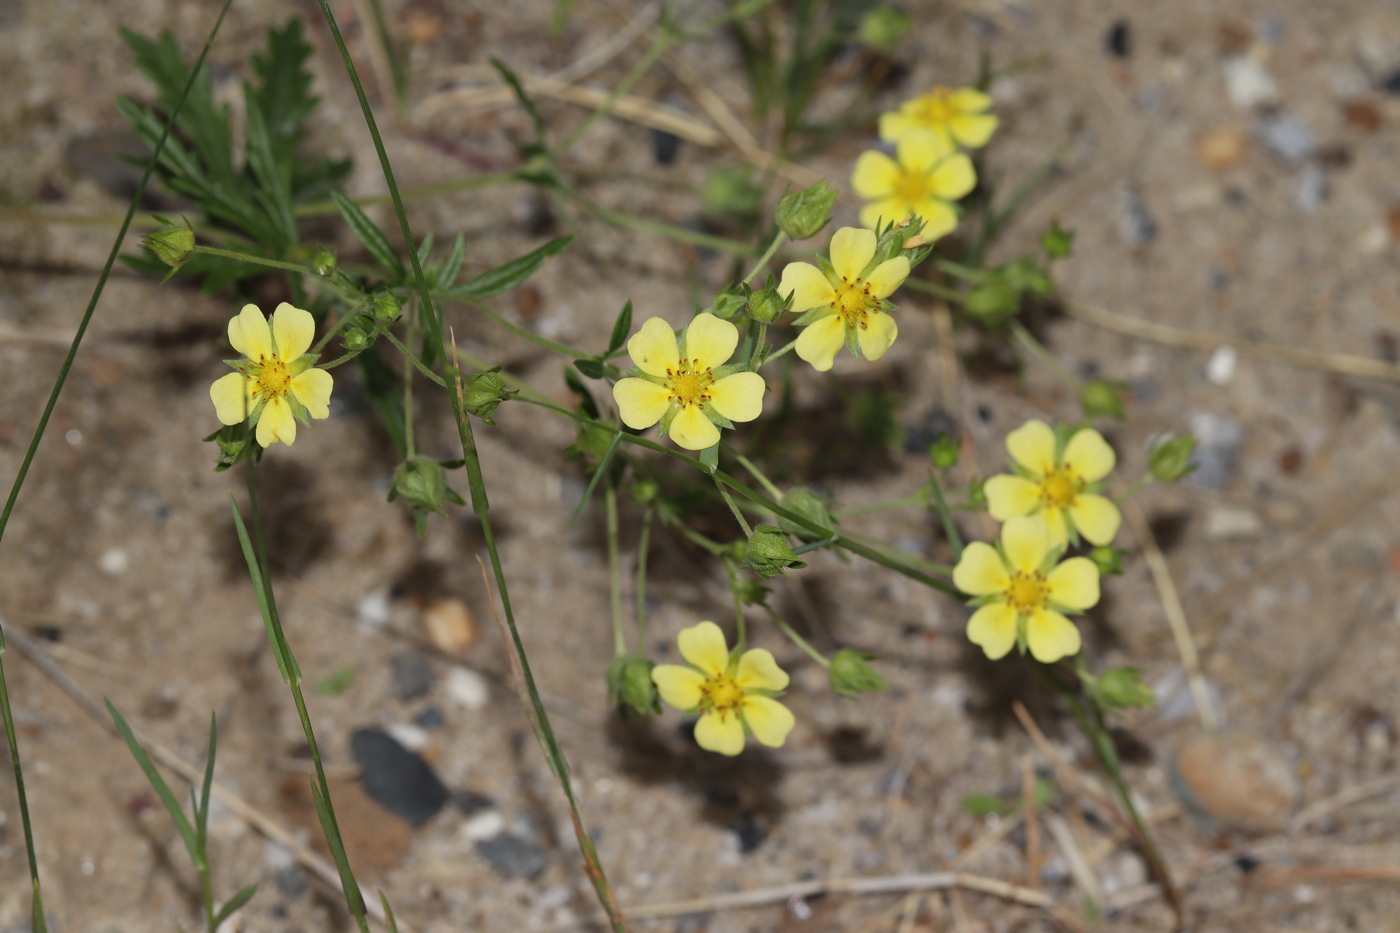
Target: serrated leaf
<point x="238" y="900"/>
<point x="621" y="328"/>
<point x="274" y="179"/>
<point x="510" y="274"/>
<point x="368" y="233"/>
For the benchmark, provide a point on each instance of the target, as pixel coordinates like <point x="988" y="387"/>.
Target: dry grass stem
<point x="1078" y="866"/>
<point x="1031" y="820"/>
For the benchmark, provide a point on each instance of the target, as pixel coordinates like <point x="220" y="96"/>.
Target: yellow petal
<point x="276" y="423"/>
<point x="1032" y="445"/>
<point x="851" y="251"/>
<point x="808" y="286"/>
<point x="980" y="572"/>
<point x="819" y="341"/>
<point x="1009" y="496"/>
<point x="1051" y="636"/>
<point x="939" y="218"/>
<point x="1096" y="518"/>
<point x="230" y="397"/>
<point x="653" y="348"/>
<point x="739" y="397"/>
<point x="759" y="671"/>
<point x="769" y="720"/>
<point x="1074" y="584"/>
<point x="875" y="337"/>
<point x="1057" y="525"/>
<point x="1088" y="455"/>
<point x="703" y="646"/>
<point x="640" y="403"/>
<point x="920" y="150"/>
<point x="969" y="100"/>
<point x="876" y="176"/>
<point x="888" y="275"/>
<point x="710" y="341"/>
<point x="973" y="130"/>
<point x="1025" y="541"/>
<point x="292" y="330"/>
<point x="993" y="629"/>
<point x="678" y="686"/>
<point x="953" y="178"/>
<point x="720" y="732"/>
<point x="894" y="125"/>
<point x="248" y="333"/>
<point x="692" y="430"/>
<point x="313" y="389"/>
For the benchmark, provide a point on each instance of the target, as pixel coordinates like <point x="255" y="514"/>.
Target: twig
<point x="1028" y="805"/>
<point x="1344" y="363"/>
<point x="1176" y="615"/>
<point x="1328" y="805"/>
<point x="1063" y="768"/>
<point x="245" y="811"/>
<point x="1074" y="858"/>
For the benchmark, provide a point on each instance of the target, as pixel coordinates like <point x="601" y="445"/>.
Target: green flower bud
<point x="882" y="28"/>
<point x="992" y="302"/>
<point x="849" y="674"/>
<point x="323" y="260"/>
<point x="765" y="305"/>
<point x="730" y="303"/>
<point x="802" y="214"/>
<point x="811" y="507"/>
<point x="233" y="446"/>
<point x="752" y="593"/>
<point x="630" y="686"/>
<point x="353" y="338"/>
<point x="768" y="554"/>
<point x="1100" y="400"/>
<point x="643" y="490"/>
<point x="484" y="391"/>
<point x="1169" y="457"/>
<point x="1122" y="688"/>
<point x="387" y="309"/>
<point x="1024" y="276"/>
<point x="945" y="451"/>
<point x="422" y="483"/>
<point x="1057" y="241"/>
<point x="1109" y="560"/>
<point x="172" y="245"/>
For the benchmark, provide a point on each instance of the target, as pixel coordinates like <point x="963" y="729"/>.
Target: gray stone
<point x="514" y="855"/>
<point x="1218" y="439"/>
<point x="396" y="778"/>
<point x="1286" y="137"/>
<point x="413" y="674"/>
<point x="1136" y="225"/>
<point x="1312" y="188"/>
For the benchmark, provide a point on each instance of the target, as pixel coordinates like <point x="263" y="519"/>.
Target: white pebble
<point x="468" y="688"/>
<point x="1248" y="84"/>
<point x="1221" y="367"/>
<point x="414" y="738"/>
<point x="113" y="562"/>
<point x="483" y="826"/>
<point x="373" y="611"/>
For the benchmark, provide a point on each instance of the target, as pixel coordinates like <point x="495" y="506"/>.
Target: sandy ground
<point x="1232" y="174"/>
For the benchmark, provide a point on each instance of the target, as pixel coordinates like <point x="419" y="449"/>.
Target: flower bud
<point x="387" y="309"/>
<point x="802" y="214"/>
<point x="630" y="686"/>
<point x="991" y="303"/>
<point x="1100" y="400"/>
<point x="768" y="554"/>
<point x="730" y="303"/>
<point x="766" y="305"/>
<point x="1109" y="560"/>
<point x="944" y="452"/>
<point x="1122" y="688"/>
<point x="882" y="27"/>
<point x="172" y="245"/>
<point x="353" y="338"/>
<point x="1169" y="457"/>
<point x="849" y="674"/>
<point x="422" y="483"/>
<point x="811" y="507"/>
<point x="323" y="261"/>
<point x="1057" y="241"/>
<point x="484" y="391"/>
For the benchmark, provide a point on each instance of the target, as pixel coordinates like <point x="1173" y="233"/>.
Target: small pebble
<point x="1119" y="41"/>
<point x="430" y="718"/>
<point x="467" y="688"/>
<point x="1362" y="115"/>
<point x="1312" y="188"/>
<point x="1136" y="226"/>
<point x="483" y="826"/>
<point x="1220" y="368"/>
<point x="1221" y="148"/>
<point x="664" y="147"/>
<point x="1391" y="82"/>
<point x="514" y="855"/>
<point x="291" y="881"/>
<point x="413" y="674"/>
<point x="1287" y="137"/>
<point x="396" y="778"/>
<point x="1229" y="523"/>
<point x="374" y="611"/>
<point x="450" y="625"/>
<point x="1218" y="438"/>
<point x="410" y="736"/>
<point x="1248" y="84"/>
<point x="113" y="562"/>
<point x="471" y="802"/>
<point x="1235" y="782"/>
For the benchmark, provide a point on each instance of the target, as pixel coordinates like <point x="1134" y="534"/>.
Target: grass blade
<point x="238" y="900"/>
<point x="162" y="789"/>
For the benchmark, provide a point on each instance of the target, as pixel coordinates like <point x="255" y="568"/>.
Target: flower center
<point x="936" y="107"/>
<point x="272" y="378"/>
<point x="1059" y="488"/>
<point x="689" y="385"/>
<point x="1026" y="592"/>
<point x="723" y="693"/>
<point x="852" y="302"/>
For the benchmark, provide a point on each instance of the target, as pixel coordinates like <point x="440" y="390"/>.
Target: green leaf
<point x="509" y="77"/>
<point x="388" y="914"/>
<point x="368" y="233"/>
<point x="593" y="369"/>
<point x="621" y="328"/>
<point x="448" y="274"/>
<point x="274" y="179"/>
<point x="238" y="900"/>
<point x="162" y="789"/>
<point x="597" y="475"/>
<point x="286" y="664"/>
<point x="201" y="809"/>
<point x="331" y="830"/>
<point x="575" y="384"/>
<point x="510" y="274"/>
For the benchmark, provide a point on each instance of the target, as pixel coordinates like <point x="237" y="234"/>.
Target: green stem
<point x="646" y="225"/>
<point x="933" y="288"/>
<point x="1147" y="480"/>
<point x="756" y="359"/>
<point x="919" y="498"/>
<point x="768" y="254"/>
<point x="741" y="637"/>
<point x="777" y="353"/>
<point x="663" y="42"/>
<point x="1038" y="350"/>
<point x="614" y="567"/>
<point x="757" y="474"/>
<point x="643" y="544"/>
<point x="417" y="364"/>
<point x="957" y="270"/>
<point x="410" y="444"/>
<point x="949" y="528"/>
<point x="739" y="516"/>
<point x="257" y="260"/>
<point x="531" y="336"/>
<point x="798" y="639"/>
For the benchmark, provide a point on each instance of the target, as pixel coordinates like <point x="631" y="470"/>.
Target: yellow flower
<point x="845" y="299"/>
<point x="955" y="114"/>
<point x="276" y="385"/>
<point x="1059" y="484"/>
<point x="926" y="174"/>
<point x="692" y="395"/>
<point x="733" y="695"/>
<point x="1023" y="594"/>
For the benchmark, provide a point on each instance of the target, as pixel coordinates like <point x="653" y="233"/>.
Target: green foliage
<point x="336" y="682"/>
<point x="992" y="805"/>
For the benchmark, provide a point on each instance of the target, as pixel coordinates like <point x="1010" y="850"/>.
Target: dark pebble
<point x="396" y="778"/>
<point x="1119" y="41"/>
<point x="291" y="881"/>
<point x="751" y="833"/>
<point x="1136" y="225"/>
<point x="1391" y="82"/>
<point x="665" y="147"/>
<point x="1246" y="863"/>
<point x="471" y="803"/>
<point x="513" y="855"/>
<point x="430" y="718"/>
<point x="936" y="425"/>
<point x="413" y="674"/>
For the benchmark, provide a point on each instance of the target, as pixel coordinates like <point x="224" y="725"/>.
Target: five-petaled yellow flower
<point x="733" y="694"/>
<point x="845" y="299"/>
<point x="955" y="114"/>
<point x="1060" y="484"/>
<point x="686" y="385"/>
<point x="1023" y="594"/>
<point x="926" y="174"/>
<point x="276" y="384"/>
